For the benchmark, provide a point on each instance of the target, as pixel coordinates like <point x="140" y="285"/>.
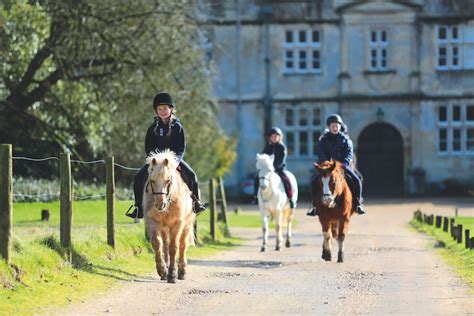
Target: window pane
<point x="443" y="136"/>
<point x="456" y="113"/>
<point x="303" y="143"/>
<point x="315" y="36"/>
<point x="290" y="143"/>
<point x="316" y="63"/>
<point x="454" y="32"/>
<point x="442" y="32"/>
<point x="289" y="36"/>
<point x="302" y="63"/>
<point x="302" y="36"/>
<point x="384" y="36"/>
<point x="316" y="136"/>
<point x="316" y="117"/>
<point x="470" y="113"/>
<point x="456" y="139"/>
<point x="442" y="114"/>
<point x="455" y="55"/>
<point x="289" y="59"/>
<point x="289" y="117"/>
<point x="303" y="117"/>
<point x="470" y="139"/>
<point x="373" y="36"/>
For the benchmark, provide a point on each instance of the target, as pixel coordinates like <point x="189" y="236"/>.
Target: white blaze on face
<point x="326" y="189"/>
<point x="328" y="198"/>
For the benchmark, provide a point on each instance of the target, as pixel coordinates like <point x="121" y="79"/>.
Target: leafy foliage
<point x="79" y="76"/>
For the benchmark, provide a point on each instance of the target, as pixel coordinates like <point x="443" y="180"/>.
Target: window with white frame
<point x="456" y="129"/>
<point x="303" y="129"/>
<point x="454" y="47"/>
<point x="302" y="51"/>
<point x="378" y="50"/>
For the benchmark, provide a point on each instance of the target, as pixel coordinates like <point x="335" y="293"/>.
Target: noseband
<point x="154" y="193"/>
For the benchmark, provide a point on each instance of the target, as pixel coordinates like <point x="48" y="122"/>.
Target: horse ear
<point x="272" y="157"/>
<point x="258" y="156"/>
<point x="318" y="168"/>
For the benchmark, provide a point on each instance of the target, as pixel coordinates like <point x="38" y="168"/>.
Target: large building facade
<point x="400" y="73"/>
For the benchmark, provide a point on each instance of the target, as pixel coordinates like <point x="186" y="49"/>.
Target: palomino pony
<point x="272" y="200"/>
<point x="334" y="202"/>
<point x="169" y="215"/>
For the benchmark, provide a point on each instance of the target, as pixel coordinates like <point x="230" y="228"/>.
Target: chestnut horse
<point x="334" y="203"/>
<point x="169" y="215"/>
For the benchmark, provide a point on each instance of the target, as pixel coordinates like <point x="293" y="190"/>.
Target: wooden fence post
<point x="223" y="201"/>
<point x="65" y="203"/>
<point x="451" y="226"/>
<point x="445" y="224"/>
<point x="6" y="201"/>
<point x="110" y="183"/>
<point x="212" y="202"/>
<point x="471" y="243"/>
<point x="467" y="238"/>
<point x="438" y="221"/>
<point x="459" y="236"/>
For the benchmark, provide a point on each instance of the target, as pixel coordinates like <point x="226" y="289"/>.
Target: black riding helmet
<point x="336" y="118"/>
<point x="275" y="130"/>
<point x="162" y="98"/>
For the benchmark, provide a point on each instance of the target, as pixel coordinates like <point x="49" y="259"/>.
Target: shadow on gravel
<point x="238" y="264"/>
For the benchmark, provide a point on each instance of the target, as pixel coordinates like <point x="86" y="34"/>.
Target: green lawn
<point x="40" y="278"/>
<point x="454" y="253"/>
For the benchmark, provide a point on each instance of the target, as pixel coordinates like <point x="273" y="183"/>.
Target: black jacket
<point x="156" y="138"/>
<point x="337" y="147"/>
<point x="279" y="151"/>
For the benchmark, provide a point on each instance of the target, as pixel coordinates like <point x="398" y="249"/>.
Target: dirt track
<point x="389" y="269"/>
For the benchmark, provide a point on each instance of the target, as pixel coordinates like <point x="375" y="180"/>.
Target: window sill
<point x="380" y="72"/>
<point x="317" y="73"/>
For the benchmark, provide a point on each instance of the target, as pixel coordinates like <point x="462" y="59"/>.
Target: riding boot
<point x="292" y="203"/>
<point x="198" y="206"/>
<point x="313" y="211"/>
<point x="359" y="207"/>
<point x="136" y="213"/>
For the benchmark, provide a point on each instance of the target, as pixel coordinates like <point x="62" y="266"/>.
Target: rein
<point x="269" y="180"/>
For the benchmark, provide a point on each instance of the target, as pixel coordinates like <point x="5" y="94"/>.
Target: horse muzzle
<point x="329" y="201"/>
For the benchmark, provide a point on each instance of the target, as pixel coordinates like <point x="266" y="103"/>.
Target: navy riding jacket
<point x="335" y="146"/>
<point x="279" y="151"/>
<point x="156" y="138"/>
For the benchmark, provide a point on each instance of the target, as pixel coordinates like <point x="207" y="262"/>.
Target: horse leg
<point x="175" y="234"/>
<point x="326" y="242"/>
<point x="289" y="221"/>
<point x="183" y="246"/>
<point x="157" y="248"/>
<point x="166" y="244"/>
<point x="263" y="213"/>
<point x="343" y="227"/>
<point x="278" y="230"/>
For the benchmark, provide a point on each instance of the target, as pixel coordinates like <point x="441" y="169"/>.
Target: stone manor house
<point x="400" y="73"/>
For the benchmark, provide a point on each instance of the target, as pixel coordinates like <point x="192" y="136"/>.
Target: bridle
<point x="167" y="194"/>
<point x="267" y="179"/>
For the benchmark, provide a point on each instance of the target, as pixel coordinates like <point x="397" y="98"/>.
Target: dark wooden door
<point x="380" y="160"/>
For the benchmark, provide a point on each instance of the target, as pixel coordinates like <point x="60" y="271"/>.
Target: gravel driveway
<point x="388" y="269"/>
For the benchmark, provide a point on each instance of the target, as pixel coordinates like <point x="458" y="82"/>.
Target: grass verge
<point x="39" y="277"/>
<point x="455" y="254"/>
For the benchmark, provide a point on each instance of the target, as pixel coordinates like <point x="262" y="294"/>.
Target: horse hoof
<point x="262" y="249"/>
<point x="172" y="280"/>
<point x="288" y="244"/>
<point x="340" y="258"/>
<point x="277" y="248"/>
<point x="181" y="275"/>
<point x="326" y="255"/>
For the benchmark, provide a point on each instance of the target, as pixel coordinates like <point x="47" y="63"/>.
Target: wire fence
<point x="215" y="194"/>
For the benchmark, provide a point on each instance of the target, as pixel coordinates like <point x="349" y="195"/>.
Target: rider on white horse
<point x="277" y="148"/>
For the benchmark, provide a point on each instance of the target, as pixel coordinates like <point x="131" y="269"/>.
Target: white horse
<point x="272" y="200"/>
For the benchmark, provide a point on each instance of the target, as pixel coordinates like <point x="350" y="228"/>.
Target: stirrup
<point x="135" y="213"/>
<point x="360" y="210"/>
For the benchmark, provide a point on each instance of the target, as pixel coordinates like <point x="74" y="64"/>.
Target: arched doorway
<point x="380" y="160"/>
